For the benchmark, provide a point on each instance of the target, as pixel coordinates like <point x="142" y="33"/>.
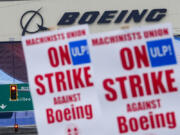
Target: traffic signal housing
<point x="16" y="127"/>
<point x="13" y="92"/>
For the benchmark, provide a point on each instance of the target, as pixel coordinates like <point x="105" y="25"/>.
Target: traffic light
<point x="13" y="92"/>
<point x="16" y="126"/>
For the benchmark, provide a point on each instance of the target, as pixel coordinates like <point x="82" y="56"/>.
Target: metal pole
<point x="15" y="117"/>
<point x="13" y="70"/>
<point x="15" y="125"/>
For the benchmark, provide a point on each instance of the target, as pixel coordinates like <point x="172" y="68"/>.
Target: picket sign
<point x="62" y="83"/>
<point x="137" y="80"/>
<point x="113" y="83"/>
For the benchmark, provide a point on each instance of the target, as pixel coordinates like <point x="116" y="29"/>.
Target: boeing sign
<point x="96" y="17"/>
